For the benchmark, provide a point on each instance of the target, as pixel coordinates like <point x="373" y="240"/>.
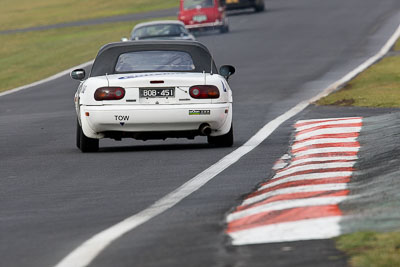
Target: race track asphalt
<point x="53" y="198"/>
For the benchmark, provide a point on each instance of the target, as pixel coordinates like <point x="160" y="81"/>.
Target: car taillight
<point x="204" y="91"/>
<point x="109" y="93"/>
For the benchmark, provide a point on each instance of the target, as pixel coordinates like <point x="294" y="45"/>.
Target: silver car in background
<point x="161" y="30"/>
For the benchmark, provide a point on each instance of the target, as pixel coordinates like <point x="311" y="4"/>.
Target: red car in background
<point x="203" y="14"/>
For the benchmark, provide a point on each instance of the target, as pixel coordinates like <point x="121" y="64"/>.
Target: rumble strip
<point x="301" y="201"/>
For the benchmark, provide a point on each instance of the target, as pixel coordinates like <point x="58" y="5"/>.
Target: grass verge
<point x="397" y="46"/>
<point x="32" y="56"/>
<point x="370" y="249"/>
<point x="19" y="14"/>
<point x="378" y="86"/>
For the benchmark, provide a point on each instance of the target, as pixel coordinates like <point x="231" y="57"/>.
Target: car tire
<point x="225" y="140"/>
<point x="224" y="29"/>
<point x="78" y="134"/>
<point x="86" y="144"/>
<point x="259" y="8"/>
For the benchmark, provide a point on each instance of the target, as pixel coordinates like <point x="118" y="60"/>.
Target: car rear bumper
<point x="97" y="121"/>
<point x="207" y="25"/>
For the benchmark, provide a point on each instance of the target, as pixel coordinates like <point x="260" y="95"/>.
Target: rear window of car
<point x="158" y="31"/>
<point x="192" y="4"/>
<point x="154" y="61"/>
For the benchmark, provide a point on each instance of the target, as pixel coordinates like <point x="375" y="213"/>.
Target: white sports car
<point x="153" y="90"/>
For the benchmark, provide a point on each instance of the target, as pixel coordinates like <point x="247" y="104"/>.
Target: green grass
<point x="397" y="46"/>
<point x="17" y="14"/>
<point x="28" y="57"/>
<point x="378" y="86"/>
<point x="370" y="249"/>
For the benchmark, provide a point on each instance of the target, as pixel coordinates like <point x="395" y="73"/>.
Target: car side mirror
<point x="78" y="74"/>
<point x="226" y="71"/>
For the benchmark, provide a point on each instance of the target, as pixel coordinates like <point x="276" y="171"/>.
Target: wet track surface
<point x="53" y="197"/>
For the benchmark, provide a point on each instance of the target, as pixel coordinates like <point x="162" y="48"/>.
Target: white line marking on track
<point x="324" y="141"/>
<point x="309" y="126"/>
<point x="286" y="204"/>
<point x="301" y="136"/>
<point x="326" y="150"/>
<point x="279" y="165"/>
<point x="305" y="177"/>
<point x="296" y="189"/>
<point x="84" y="254"/>
<point x="318" y="166"/>
<point x="323" y="120"/>
<point x="318" y="159"/>
<point x="316" y="175"/>
<point x="320" y="228"/>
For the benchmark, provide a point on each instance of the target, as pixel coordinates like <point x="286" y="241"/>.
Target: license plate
<point x="232" y="1"/>
<point x="157" y="92"/>
<point x="200" y="18"/>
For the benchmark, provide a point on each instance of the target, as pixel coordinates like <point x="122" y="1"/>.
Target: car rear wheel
<point x="78" y="135"/>
<point x="260" y="7"/>
<point x="225" y="140"/>
<point x="224" y="29"/>
<point x="85" y="143"/>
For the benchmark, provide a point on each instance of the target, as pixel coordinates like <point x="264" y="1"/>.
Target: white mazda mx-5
<point x="153" y="90"/>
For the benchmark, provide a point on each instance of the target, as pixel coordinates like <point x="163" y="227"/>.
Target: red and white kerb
<point x="301" y="201"/>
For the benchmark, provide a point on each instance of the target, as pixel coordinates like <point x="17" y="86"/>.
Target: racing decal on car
<point x="83" y="89"/>
<point x="122" y="119"/>
<point x="200" y="112"/>
<point x="148" y="75"/>
<point x="223" y="86"/>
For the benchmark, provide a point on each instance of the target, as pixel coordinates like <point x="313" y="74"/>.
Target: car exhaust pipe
<point x="205" y="129"/>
